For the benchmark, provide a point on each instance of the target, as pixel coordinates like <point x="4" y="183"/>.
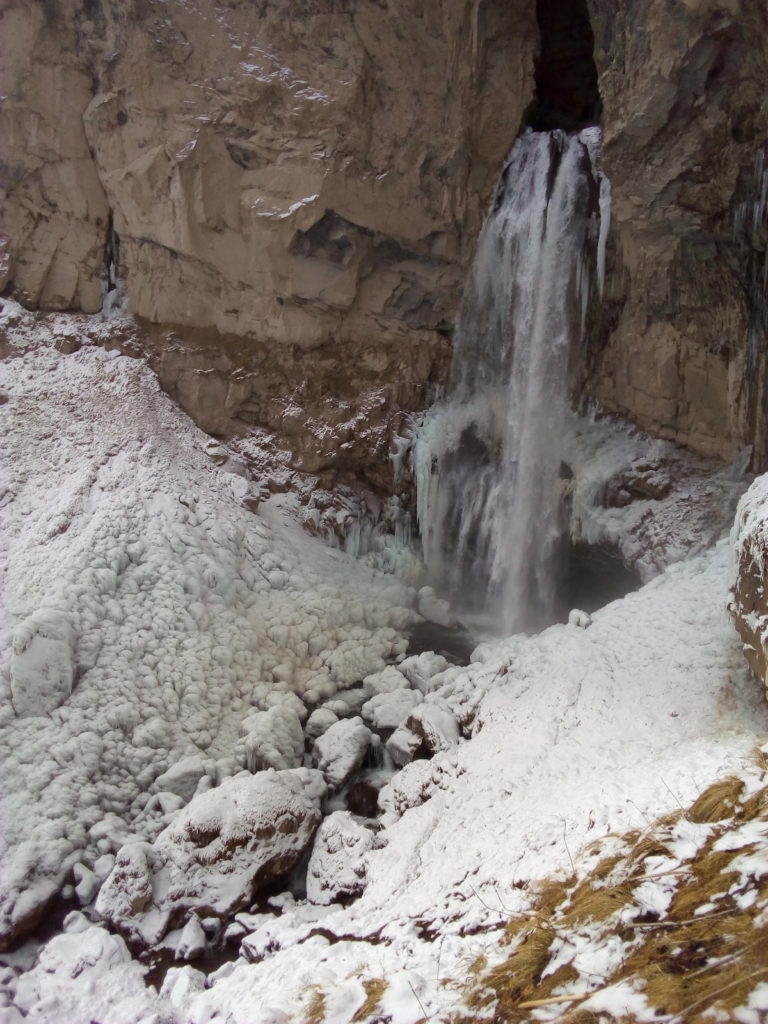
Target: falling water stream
<point x="488" y="459"/>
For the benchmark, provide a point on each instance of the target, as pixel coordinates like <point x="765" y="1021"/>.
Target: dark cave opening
<point x="594" y="575"/>
<point x="567" y="93"/>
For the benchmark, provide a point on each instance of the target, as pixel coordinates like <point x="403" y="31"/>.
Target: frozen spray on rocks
<point x="487" y="459"/>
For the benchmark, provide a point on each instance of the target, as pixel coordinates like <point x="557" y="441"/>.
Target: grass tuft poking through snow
<point x="672" y="926"/>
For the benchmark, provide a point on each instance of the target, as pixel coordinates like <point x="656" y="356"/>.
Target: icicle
<point x="605" y="224"/>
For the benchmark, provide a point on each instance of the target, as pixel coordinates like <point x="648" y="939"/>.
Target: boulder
<point x="419" y="669"/>
<point x="337" y="867"/>
<point x="182" y="778"/>
<point x="389" y="710"/>
<point x="341" y="750"/>
<point x="386" y="681"/>
<point x="431" y="727"/>
<point x="210" y="861"/>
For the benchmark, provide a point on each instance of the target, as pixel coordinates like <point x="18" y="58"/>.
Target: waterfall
<point x="488" y="459"/>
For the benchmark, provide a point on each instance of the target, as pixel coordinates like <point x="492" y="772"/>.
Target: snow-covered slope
<point x="176" y="614"/>
<point x="146" y="611"/>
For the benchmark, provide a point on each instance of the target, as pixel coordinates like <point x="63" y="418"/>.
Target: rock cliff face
<point x="296" y="188"/>
<point x="290" y="202"/>
<point x="685" y="110"/>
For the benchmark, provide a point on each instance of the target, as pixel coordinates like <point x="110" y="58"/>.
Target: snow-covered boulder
<point x="213" y="857"/>
<point x="319" y="722"/>
<point x="273" y="739"/>
<point x="429" y="728"/>
<point x="436" y="725"/>
<point x="576" y="617"/>
<point x="337" y="866"/>
<point x="419" y="669"/>
<point x="182" y="778"/>
<point x="180" y="984"/>
<point x="389" y="710"/>
<point x="42" y="662"/>
<point x="341" y="750"/>
<point x="347" y="703"/>
<point x="385" y="681"/>
<point x="85" y="961"/>
<point x="403" y="745"/>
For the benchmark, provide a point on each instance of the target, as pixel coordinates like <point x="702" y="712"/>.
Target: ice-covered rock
<point x="224" y="845"/>
<point x="273" y="739"/>
<point x="319" y="721"/>
<point x="42" y="662"/>
<point x="192" y="941"/>
<point x="347" y="703"/>
<point x="436" y="725"/>
<point x="86" y="884"/>
<point x="180" y="984"/>
<point x="576" y="617"/>
<point x="420" y="669"/>
<point x="435" y="608"/>
<point x="389" y="679"/>
<point x="341" y="750"/>
<point x="182" y="778"/>
<point x="389" y="710"/>
<point x="403" y="745"/>
<point x="429" y="728"/>
<point x="337" y="865"/>
<point x="85" y="961"/>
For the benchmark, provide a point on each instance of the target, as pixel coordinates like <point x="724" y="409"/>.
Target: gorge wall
<point x="291" y="202"/>
<point x="678" y="345"/>
<point x="296" y="195"/>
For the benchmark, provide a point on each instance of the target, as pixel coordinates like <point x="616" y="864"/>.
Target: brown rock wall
<point x="289" y="178"/>
<point x="297" y="189"/>
<point x="685" y="111"/>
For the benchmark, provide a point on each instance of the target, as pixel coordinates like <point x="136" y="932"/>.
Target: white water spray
<point x="488" y="459"/>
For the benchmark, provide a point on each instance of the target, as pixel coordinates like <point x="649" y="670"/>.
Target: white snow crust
<point x="134" y="577"/>
<point x="189" y="615"/>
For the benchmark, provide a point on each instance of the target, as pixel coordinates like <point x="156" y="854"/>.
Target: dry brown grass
<point x="374" y="990"/>
<point x="718" y="802"/>
<point x="708" y="952"/>
<point x="316" y="1008"/>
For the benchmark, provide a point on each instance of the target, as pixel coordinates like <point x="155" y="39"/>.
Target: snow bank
<point x="146" y="614"/>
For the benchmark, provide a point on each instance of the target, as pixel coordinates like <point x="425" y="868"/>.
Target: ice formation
<point x="135" y="578"/>
<point x="182" y="637"/>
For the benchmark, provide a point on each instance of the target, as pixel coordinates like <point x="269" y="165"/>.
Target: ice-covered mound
<point x="214" y="856"/>
<point x="146" y="611"/>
